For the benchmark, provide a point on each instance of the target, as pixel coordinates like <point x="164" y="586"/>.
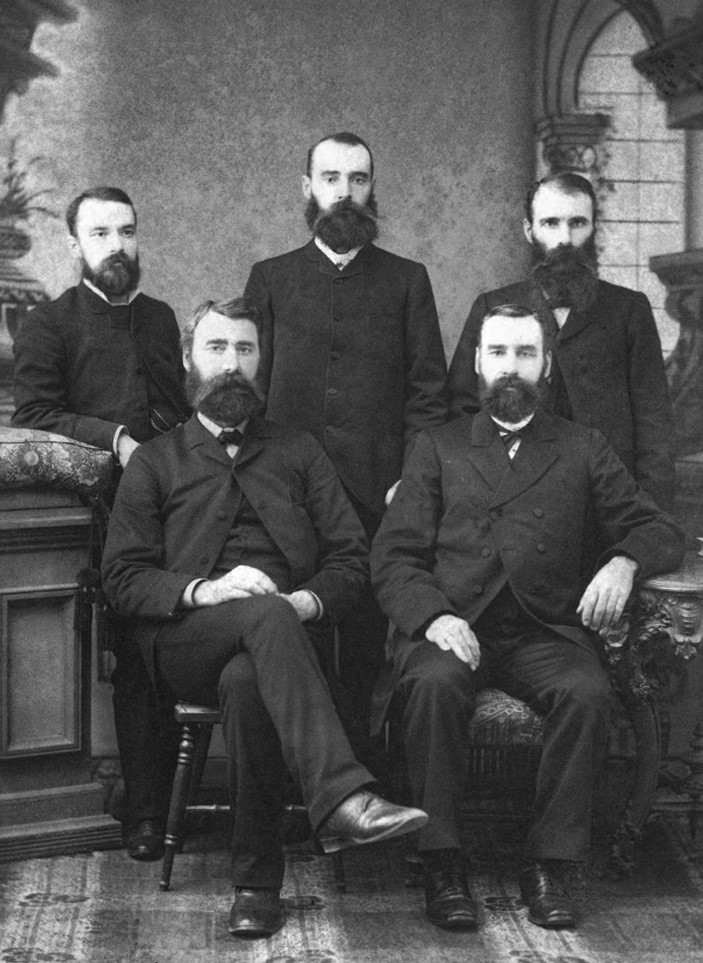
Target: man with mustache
<point x="353" y="354"/>
<point x="607" y="367"/>
<point x="227" y="535"/>
<point x="479" y="562"/>
<point x="102" y="364"/>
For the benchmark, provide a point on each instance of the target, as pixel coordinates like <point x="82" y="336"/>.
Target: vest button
<point x="541" y="547"/>
<point x="332" y="391"/>
<point x="538" y="513"/>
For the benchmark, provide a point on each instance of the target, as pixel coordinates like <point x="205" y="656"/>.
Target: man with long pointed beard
<point x="353" y="354"/>
<point x="227" y="536"/>
<point x="479" y="563"/>
<point x="607" y="367"/>
<point x="102" y="364"/>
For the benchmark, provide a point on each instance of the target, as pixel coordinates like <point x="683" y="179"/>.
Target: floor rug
<point x="105" y="908"/>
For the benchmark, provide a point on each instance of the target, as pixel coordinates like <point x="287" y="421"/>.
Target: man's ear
<point x="527" y="228"/>
<point x="477" y="366"/>
<point x="547" y="364"/>
<point x="186" y="361"/>
<point x="74" y="246"/>
<point x="307" y="187"/>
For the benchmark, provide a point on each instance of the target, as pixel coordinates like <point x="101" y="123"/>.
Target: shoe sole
<point x="333" y="844"/>
<point x="465" y="923"/>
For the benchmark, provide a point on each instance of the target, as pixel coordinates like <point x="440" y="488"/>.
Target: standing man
<point x="227" y="536"/>
<point x="353" y="354"/>
<point x="479" y="562"/>
<point x="102" y="364"/>
<point x="607" y="367"/>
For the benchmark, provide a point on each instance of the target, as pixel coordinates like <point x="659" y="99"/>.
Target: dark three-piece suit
<point x="84" y="367"/>
<point x="607" y="373"/>
<point x="499" y="543"/>
<point x="184" y="511"/>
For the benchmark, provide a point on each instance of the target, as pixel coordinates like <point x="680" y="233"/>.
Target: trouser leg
<point x="192" y="653"/>
<point x="147" y="737"/>
<point x="568" y="686"/>
<point x="256" y="776"/>
<point x="438" y="697"/>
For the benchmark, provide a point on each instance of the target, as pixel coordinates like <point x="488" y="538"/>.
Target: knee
<point x="591" y="695"/>
<point x="441" y="679"/>
<point x="238" y="682"/>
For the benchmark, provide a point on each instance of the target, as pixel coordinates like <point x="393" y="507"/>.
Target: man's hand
<point x="306" y="608"/>
<point x="391" y="492"/>
<point x="125" y="447"/>
<point x="603" y="601"/>
<point x="453" y="634"/>
<point x="239" y="583"/>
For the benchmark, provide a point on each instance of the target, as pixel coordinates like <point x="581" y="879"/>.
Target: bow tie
<point x="510" y="437"/>
<point x="230" y="436"/>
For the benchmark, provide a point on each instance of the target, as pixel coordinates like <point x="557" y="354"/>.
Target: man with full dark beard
<point x="353" y="354"/>
<point x="226" y="536"/>
<point x="478" y="562"/>
<point x="102" y="364"/>
<point x="607" y="367"/>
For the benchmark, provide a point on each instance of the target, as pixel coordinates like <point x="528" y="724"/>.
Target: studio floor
<point x="104" y="908"/>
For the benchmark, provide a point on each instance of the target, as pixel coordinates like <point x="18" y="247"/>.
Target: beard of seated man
<point x="345" y="225"/>
<point x="227" y="399"/>
<point x="568" y="275"/>
<point x="511" y="398"/>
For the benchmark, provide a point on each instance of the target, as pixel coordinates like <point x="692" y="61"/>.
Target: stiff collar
<point x="113" y="304"/>
<point x="335" y="258"/>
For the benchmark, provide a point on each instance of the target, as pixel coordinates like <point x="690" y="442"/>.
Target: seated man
<point x="478" y="563"/>
<point x="221" y="543"/>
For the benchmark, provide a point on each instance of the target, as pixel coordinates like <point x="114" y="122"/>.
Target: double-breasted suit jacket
<point x="466" y="520"/>
<point x="354" y="356"/>
<point x="82" y="371"/>
<point x="177" y="502"/>
<point x="610" y="360"/>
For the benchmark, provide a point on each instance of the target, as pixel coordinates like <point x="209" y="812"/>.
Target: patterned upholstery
<point x="41" y="459"/>
<point x="501" y="720"/>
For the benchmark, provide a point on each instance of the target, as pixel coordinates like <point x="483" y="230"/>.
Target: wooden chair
<point x="197" y="723"/>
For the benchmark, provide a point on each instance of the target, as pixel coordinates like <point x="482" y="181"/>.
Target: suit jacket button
<point x="485" y="551"/>
<point x="495" y="514"/>
<point x="477" y="589"/>
<point x="538" y="513"/>
<point x="332" y="391"/>
<point x="335" y="355"/>
<point x="541" y="547"/>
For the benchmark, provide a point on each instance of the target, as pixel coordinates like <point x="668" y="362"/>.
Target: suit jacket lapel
<point x="488" y="454"/>
<point x="536" y="454"/>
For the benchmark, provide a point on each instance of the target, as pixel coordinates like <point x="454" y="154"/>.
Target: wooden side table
<point x="664" y="625"/>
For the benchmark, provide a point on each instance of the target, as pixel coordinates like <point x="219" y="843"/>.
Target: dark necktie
<point x="230" y="436"/>
<point x="510" y="437"/>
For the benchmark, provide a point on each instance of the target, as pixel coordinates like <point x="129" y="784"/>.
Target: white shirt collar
<point x="214" y="428"/>
<point x="101" y="294"/>
<point x="517" y="426"/>
<point x="335" y="258"/>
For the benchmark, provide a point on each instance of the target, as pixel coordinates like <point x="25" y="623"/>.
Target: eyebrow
<point x="352" y="173"/>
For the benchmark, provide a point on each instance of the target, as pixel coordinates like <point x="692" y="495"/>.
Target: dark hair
<point x="566" y="181"/>
<point x="96" y="194"/>
<point x="238" y="309"/>
<point x="345" y="137"/>
<point x="518" y="311"/>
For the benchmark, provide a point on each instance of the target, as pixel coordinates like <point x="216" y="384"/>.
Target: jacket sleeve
<point x="651" y="410"/>
<point x="41" y="378"/>
<point x="425" y="402"/>
<point x="403" y="551"/>
<point x="342" y="549"/>
<point x="462" y="383"/>
<point x="628" y="517"/>
<point x="258" y="290"/>
<point x="134" y="578"/>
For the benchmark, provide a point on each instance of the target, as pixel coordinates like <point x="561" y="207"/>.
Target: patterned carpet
<point x="105" y="908"/>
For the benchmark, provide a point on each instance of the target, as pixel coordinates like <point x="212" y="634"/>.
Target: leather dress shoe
<point x="255" y="912"/>
<point x="145" y="841"/>
<point x="448" y="902"/>
<point x="547" y="906"/>
<point x="367" y="818"/>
